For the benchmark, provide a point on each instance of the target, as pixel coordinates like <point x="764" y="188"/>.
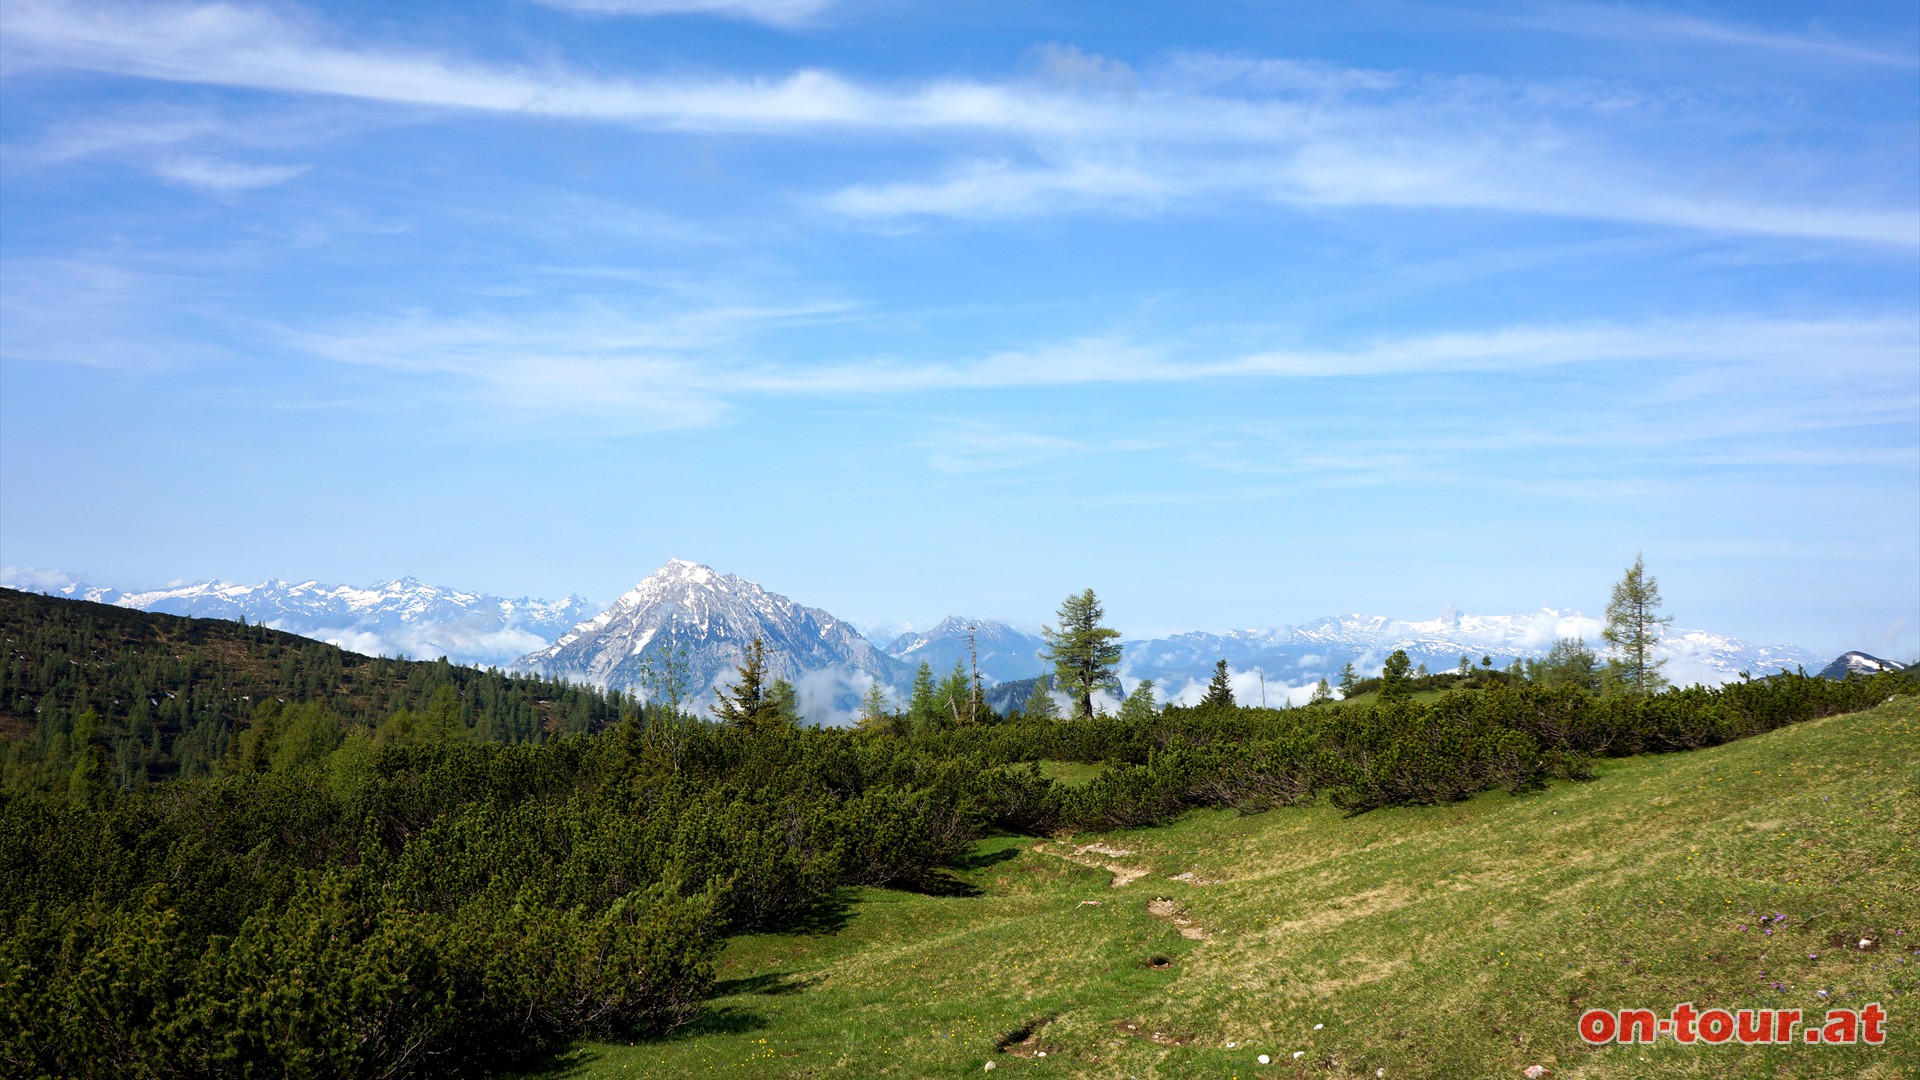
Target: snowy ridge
<point x="402" y="618"/>
<point x="1279" y="664"/>
<point x="1004" y="653"/>
<point x="1857" y="663"/>
<point x="1286" y="662"/>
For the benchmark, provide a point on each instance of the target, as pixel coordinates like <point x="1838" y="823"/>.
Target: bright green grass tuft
<point x="1449" y="941"/>
<point x="1071" y="774"/>
<point x="1421" y="696"/>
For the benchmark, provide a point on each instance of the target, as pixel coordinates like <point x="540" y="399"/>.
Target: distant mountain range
<point x="711" y="616"/>
<point x="1003" y="653"/>
<point x="1283" y="664"/>
<point x="1293" y="658"/>
<point x="404" y="618"/>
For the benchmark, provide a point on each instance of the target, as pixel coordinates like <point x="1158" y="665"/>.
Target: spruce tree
<point x="1040" y="704"/>
<point x="953" y="697"/>
<point x="875" y="714"/>
<point x="1321" y="693"/>
<point x="1348" y="677"/>
<point x="1219" y="688"/>
<point x="1633" y="629"/>
<point x="1394" y="684"/>
<point x="745" y="704"/>
<point x="783" y="704"/>
<point x="1084" y="653"/>
<point x="1140" y="705"/>
<point x="923" y="712"/>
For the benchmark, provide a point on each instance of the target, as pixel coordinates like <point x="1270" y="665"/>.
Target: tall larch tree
<point x="923" y="710"/>
<point x="1633" y="629"/>
<point x="1040" y="706"/>
<point x="1084" y="653"/>
<point x="875" y="712"/>
<point x="1140" y="705"/>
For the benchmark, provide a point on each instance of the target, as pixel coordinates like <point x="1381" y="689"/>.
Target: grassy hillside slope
<point x="1460" y="940"/>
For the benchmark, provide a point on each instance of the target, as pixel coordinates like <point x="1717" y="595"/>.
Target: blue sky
<point x="1239" y="313"/>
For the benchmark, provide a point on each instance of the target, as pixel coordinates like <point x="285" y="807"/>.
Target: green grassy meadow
<point x="1452" y="941"/>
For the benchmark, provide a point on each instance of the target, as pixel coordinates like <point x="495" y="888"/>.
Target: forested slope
<point x="161" y="696"/>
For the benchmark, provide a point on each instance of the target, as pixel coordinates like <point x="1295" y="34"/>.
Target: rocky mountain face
<point x="1004" y="653"/>
<point x="1856" y="663"/>
<point x="712" y="617"/>
<point x="406" y="618"/>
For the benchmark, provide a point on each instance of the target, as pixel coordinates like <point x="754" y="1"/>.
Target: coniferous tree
<point x="1219" y="688"/>
<point x="1084" y="653"/>
<point x="875" y="713"/>
<point x="1348" y="677"/>
<point x="783" y="703"/>
<point x="1140" y="705"/>
<point x="86" y="784"/>
<point x="953" y="696"/>
<point x="745" y="703"/>
<point x="1568" y="663"/>
<point x="1321" y="693"/>
<point x="1633" y="629"/>
<point x="1394" y="684"/>
<point x="923" y="708"/>
<point x="664" y="674"/>
<point x="1040" y="704"/>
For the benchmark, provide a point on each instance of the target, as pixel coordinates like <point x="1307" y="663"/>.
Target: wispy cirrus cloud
<point x="213" y="174"/>
<point x="207" y="149"/>
<point x="1076" y="132"/>
<point x="95" y="311"/>
<point x="690" y="369"/>
<point x="1642" y="24"/>
<point x="772" y="12"/>
<point x="1332" y="174"/>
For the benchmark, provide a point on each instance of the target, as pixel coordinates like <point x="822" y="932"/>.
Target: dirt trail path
<point x="1167" y="911"/>
<point x="1088" y="855"/>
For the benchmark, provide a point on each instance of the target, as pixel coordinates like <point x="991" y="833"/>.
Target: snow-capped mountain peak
<point x="712" y="617"/>
<point x="1003" y="653"/>
<point x="1856" y="663"/>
